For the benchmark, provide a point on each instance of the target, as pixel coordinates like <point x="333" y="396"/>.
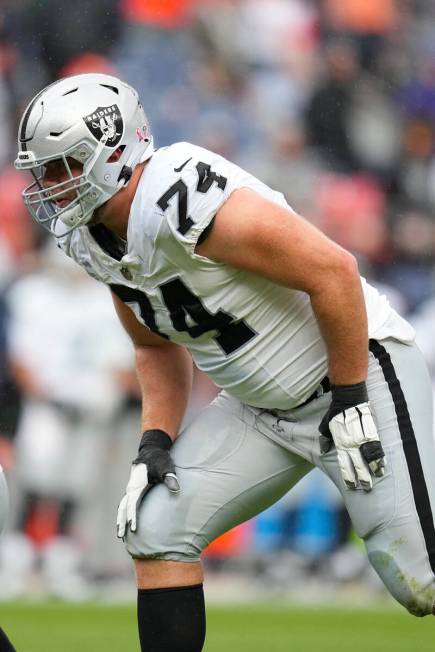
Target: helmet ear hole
<point x="116" y="155"/>
<point x="125" y="174"/>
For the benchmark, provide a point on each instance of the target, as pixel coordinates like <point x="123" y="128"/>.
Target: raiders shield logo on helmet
<point x="105" y="123"/>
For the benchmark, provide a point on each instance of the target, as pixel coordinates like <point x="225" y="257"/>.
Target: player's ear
<point x="116" y="155"/>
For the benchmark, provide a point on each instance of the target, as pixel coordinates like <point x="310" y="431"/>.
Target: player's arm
<point x="257" y="235"/>
<point x="165" y="372"/>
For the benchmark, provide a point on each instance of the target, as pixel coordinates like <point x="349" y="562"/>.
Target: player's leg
<point x="228" y="473"/>
<point x="396" y="519"/>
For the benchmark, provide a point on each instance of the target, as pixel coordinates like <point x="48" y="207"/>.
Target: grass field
<point x="55" y="627"/>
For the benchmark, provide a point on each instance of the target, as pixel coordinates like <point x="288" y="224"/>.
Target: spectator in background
<point x="7" y="62"/>
<point x="366" y="22"/>
<point x="18" y="236"/>
<point x="416" y="96"/>
<point x="351" y="209"/>
<point x="45" y="36"/>
<point x="96" y="27"/>
<point x="328" y="109"/>
<point x="412" y="271"/>
<point x="291" y="166"/>
<point x="415" y="172"/>
<point x="154" y="53"/>
<point x="269" y="45"/>
<point x="20" y="40"/>
<point x="171" y="14"/>
<point x="87" y="62"/>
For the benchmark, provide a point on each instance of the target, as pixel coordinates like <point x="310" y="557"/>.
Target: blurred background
<point x="331" y="102"/>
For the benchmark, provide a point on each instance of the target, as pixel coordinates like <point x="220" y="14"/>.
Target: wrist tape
<point x="345" y="396"/>
<point x="152" y="439"/>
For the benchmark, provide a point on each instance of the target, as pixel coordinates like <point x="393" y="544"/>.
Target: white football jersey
<point x="259" y="341"/>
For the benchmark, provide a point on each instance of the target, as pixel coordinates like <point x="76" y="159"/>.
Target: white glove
<point x="137" y="487"/>
<point x="359" y="450"/>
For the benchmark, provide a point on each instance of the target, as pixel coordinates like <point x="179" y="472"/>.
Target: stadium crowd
<point x="331" y="103"/>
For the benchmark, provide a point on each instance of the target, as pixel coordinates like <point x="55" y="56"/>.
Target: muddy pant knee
<point x="416" y="596"/>
<point x="145" y="544"/>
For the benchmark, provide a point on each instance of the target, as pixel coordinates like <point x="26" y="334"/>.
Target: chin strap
<point x="125" y="174"/>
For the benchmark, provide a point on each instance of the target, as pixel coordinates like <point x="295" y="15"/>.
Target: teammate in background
<point x="205" y="261"/>
<point x="68" y="373"/>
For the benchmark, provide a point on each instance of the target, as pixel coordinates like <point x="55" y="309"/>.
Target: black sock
<point x="171" y="620"/>
<point x="5" y="644"/>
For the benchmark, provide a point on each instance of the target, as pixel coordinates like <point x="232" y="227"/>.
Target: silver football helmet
<point x="86" y="118"/>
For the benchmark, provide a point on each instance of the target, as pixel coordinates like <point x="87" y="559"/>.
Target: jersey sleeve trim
<point x="206" y="232"/>
<point x="196" y="231"/>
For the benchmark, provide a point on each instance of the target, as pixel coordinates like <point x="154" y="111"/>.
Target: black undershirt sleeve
<point x="204" y="235"/>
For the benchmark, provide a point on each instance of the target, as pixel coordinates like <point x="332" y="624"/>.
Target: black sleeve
<point x="204" y="235"/>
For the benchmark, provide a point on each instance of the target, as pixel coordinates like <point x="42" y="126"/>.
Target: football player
<point x="206" y="262"/>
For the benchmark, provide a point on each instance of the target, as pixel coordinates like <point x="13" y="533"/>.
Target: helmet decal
<point x="105" y="123"/>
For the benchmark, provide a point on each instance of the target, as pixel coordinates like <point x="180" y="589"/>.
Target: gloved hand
<point x="152" y="465"/>
<point x="349" y="425"/>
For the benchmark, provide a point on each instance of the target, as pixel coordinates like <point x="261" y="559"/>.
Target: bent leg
<point x="404" y="553"/>
<point x="396" y="519"/>
<point x="228" y="473"/>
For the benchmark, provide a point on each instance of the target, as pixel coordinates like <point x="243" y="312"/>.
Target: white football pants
<point x="233" y="461"/>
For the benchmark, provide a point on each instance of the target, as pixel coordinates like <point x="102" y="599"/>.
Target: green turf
<point x="57" y="627"/>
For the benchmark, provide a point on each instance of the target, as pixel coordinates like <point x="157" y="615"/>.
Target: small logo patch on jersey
<point x="182" y="166"/>
<point x="105" y="123"/>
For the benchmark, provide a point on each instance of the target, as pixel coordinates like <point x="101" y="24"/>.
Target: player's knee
<point x="417" y="598"/>
<point x="143" y="544"/>
<point x="157" y="573"/>
<point x="160" y="533"/>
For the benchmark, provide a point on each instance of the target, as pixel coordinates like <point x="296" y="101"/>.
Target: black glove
<point x="154" y="452"/>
